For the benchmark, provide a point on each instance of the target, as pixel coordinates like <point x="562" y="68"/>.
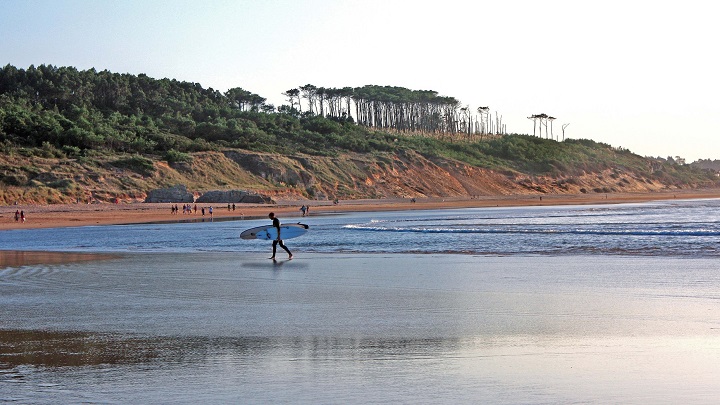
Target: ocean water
<point x="683" y="228"/>
<point x="580" y="304"/>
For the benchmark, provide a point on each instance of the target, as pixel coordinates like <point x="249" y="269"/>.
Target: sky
<point x="641" y="75"/>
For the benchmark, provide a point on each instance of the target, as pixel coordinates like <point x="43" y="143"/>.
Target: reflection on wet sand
<point x="77" y="349"/>
<point x="60" y="349"/>
<point x="17" y="258"/>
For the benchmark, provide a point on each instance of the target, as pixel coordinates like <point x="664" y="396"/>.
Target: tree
<point x="267" y="108"/>
<point x="541" y="120"/>
<point x="563" y="129"/>
<point x="243" y="99"/>
<point x="484" y="119"/>
<point x="289" y="110"/>
<point x="309" y="92"/>
<point x="551" y="119"/>
<point x="292" y="95"/>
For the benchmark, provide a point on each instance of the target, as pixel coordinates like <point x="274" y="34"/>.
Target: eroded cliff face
<point x="410" y="174"/>
<point x="349" y="176"/>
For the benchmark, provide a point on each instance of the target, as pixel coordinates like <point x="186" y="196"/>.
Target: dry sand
<point x="64" y="215"/>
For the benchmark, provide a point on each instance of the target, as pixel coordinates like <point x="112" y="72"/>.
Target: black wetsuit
<point x="276" y="224"/>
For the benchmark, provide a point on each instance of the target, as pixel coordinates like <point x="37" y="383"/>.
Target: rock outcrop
<point x="177" y="194"/>
<point x="234" y="196"/>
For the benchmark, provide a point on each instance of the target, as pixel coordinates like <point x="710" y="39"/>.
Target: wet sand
<point x="65" y="215"/>
<point x="16" y="258"/>
<point x="357" y="328"/>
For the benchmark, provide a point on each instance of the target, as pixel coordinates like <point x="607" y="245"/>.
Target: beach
<point x="383" y="302"/>
<point x="358" y="328"/>
<point x="64" y="215"/>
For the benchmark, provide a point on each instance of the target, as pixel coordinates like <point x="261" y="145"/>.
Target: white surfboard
<point x="269" y="232"/>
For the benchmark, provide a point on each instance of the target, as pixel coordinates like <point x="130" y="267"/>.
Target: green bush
<point x="136" y="163"/>
<point x="174" y="156"/>
<point x="15" y="179"/>
<point x="72" y="151"/>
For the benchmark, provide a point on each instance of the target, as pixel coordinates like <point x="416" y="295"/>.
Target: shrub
<point x="72" y="151"/>
<point x="174" y="156"/>
<point x="15" y="179"/>
<point x="138" y="164"/>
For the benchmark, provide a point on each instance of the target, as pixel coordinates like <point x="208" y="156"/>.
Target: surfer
<point x="278" y="240"/>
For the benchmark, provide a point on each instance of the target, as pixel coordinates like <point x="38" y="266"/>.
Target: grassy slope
<point x="418" y="167"/>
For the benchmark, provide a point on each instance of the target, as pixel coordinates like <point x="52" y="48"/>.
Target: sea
<point x="685" y="228"/>
<point x="613" y="303"/>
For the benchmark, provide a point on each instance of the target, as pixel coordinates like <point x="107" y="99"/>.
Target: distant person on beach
<point x="22" y="216"/>
<point x="278" y="240"/>
<point x="210" y="211"/>
<point x="303" y="209"/>
<point x="17" y="215"/>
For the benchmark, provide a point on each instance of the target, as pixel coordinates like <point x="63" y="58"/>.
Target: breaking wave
<point x="541" y="231"/>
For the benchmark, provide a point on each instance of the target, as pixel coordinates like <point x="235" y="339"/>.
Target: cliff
<point x="405" y="173"/>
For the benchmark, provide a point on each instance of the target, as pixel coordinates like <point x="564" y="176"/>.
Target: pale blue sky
<point x="638" y="74"/>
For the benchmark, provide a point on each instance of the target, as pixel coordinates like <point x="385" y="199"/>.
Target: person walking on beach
<point x="278" y="240"/>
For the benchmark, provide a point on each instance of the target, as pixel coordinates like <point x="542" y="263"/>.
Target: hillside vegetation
<point x="68" y="135"/>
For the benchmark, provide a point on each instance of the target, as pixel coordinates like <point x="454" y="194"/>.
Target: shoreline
<point x="73" y="215"/>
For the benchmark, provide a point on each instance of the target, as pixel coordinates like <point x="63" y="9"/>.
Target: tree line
<point x="64" y="112"/>
<point x="78" y="110"/>
<point x="395" y="108"/>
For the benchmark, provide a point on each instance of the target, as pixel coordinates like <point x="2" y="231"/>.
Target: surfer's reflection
<point x="277" y="267"/>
